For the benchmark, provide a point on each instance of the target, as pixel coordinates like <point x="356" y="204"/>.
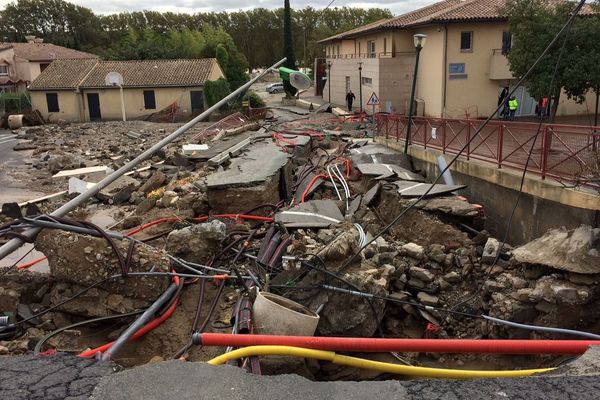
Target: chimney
<point x="38" y="40"/>
<point x="30" y="38"/>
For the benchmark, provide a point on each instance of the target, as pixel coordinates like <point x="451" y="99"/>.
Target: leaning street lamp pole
<point x="360" y="85"/>
<point x="419" y="40"/>
<point x="329" y="63"/>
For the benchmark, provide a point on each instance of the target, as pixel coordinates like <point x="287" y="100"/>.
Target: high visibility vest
<point x="513" y="104"/>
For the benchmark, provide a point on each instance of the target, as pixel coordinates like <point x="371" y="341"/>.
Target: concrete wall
<point x="391" y="80"/>
<point x="543" y="205"/>
<point x="69" y="104"/>
<point x="110" y="102"/>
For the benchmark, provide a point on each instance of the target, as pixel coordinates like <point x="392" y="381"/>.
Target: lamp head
<point x="419" y="40"/>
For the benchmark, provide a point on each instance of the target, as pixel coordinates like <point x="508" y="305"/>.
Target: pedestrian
<point x="502" y="100"/>
<point x="350" y="99"/>
<point x="513" y="106"/>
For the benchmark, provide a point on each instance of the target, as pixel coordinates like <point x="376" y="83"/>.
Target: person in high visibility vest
<point x="513" y="106"/>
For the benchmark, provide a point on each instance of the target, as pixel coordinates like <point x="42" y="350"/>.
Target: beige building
<point x="77" y="90"/>
<point x="462" y="69"/>
<point x="21" y="63"/>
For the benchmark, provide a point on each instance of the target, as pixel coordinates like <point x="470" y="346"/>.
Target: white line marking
<point x="410" y="187"/>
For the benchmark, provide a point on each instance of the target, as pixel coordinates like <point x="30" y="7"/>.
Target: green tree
<point x="533" y="24"/>
<point x="288" y="45"/>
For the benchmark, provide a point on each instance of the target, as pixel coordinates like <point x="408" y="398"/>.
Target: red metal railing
<point x="567" y="153"/>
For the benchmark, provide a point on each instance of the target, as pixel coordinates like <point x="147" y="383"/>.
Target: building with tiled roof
<point x="462" y="69"/>
<point x="79" y="90"/>
<point x="21" y="63"/>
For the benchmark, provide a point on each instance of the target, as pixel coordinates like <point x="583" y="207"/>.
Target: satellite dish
<point x="113" y="79"/>
<point x="299" y="80"/>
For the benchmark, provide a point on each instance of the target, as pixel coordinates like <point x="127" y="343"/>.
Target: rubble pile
<point x="301" y="207"/>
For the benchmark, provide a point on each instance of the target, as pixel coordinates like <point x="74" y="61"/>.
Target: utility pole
<point x="360" y="85"/>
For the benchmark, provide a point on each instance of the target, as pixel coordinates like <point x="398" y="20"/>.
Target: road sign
<point x="373" y="100"/>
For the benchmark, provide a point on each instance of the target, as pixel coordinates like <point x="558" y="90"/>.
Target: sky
<point x="193" y="6"/>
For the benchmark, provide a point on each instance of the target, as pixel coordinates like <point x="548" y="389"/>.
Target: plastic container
<point x="15" y="121"/>
<point x="276" y="315"/>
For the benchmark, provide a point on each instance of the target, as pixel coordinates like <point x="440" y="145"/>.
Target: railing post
<point x="468" y="139"/>
<point x="545" y="151"/>
<point x="500" y="143"/>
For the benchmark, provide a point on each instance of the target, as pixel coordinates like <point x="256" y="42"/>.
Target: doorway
<point x="347" y="84"/>
<point x="197" y="100"/>
<point x="94" y="106"/>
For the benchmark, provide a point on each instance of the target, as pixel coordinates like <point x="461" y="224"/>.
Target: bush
<point x="215" y="91"/>
<point x="255" y="100"/>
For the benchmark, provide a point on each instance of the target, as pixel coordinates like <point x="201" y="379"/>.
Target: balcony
<point x="388" y="54"/>
<point x="499" y="68"/>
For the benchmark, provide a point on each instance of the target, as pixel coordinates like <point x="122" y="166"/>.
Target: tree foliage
<point x="215" y="91"/>
<point x="533" y="24"/>
<point x="257" y="33"/>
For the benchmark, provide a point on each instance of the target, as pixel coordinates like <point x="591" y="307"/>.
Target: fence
<point x="567" y="153"/>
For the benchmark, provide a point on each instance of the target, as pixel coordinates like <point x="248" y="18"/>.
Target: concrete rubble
<point x="273" y="199"/>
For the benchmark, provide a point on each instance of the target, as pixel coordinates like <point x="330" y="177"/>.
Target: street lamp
<point x="419" y="40"/>
<point x="360" y="85"/>
<point x="329" y="64"/>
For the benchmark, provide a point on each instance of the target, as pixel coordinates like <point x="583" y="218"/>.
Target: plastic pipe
<point x="15" y="243"/>
<point x="145" y="329"/>
<point x="140" y="322"/>
<point x="369" y="364"/>
<point x="401" y="345"/>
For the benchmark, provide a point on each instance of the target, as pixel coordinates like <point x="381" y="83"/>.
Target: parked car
<point x="275" y="88"/>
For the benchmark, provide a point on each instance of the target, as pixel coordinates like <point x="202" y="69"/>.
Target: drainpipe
<point x="444" y="73"/>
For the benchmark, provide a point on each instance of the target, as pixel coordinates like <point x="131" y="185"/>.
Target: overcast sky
<point x="192" y="6"/>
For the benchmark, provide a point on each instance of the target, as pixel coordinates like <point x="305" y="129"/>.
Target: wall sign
<point x="456" y="68"/>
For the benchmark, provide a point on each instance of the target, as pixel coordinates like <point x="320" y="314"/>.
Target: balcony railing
<point x="388" y="54"/>
<point x="568" y="153"/>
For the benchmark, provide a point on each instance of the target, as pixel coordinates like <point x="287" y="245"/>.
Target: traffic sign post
<point x="374" y="101"/>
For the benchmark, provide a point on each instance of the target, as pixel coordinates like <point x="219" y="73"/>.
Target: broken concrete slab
<point x="229" y="153"/>
<point x="383" y="171"/>
<point x="192" y="149"/>
<point x="410" y="189"/>
<point x="77" y="185"/>
<point x="223" y="145"/>
<point x="85" y="260"/>
<point x="452" y="205"/>
<point x="490" y="251"/>
<point x="378" y="154"/>
<point x="156" y="180"/>
<point x="311" y="214"/>
<point x="576" y="250"/>
<point x="196" y="243"/>
<point x="261" y="161"/>
<point x="99" y="170"/>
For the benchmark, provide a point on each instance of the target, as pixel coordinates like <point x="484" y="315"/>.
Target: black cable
<point x="39" y="344"/>
<point x="8" y="269"/>
<point x="352" y="285"/>
<point x="468" y="143"/>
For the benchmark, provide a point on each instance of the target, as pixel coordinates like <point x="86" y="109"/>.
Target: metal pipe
<point x="15" y="243"/>
<point x="412" y="100"/>
<point x="138" y="323"/>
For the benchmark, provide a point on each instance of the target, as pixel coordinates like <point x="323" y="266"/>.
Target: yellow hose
<point x="368" y="364"/>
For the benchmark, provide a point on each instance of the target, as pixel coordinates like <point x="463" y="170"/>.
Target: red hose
<point x="145" y="329"/>
<point x="31" y="263"/>
<point x="403" y="345"/>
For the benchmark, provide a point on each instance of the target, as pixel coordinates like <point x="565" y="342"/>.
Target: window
<point x="359" y="48"/>
<point x="367" y="81"/>
<point x="371" y="49"/>
<point x="52" y="102"/>
<point x="466" y="41"/>
<point x="506" y="42"/>
<point x="149" y="100"/>
<point x="3" y="70"/>
<point x="338" y="49"/>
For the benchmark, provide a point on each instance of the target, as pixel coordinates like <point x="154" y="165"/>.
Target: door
<point x="94" y="106"/>
<point x="347" y="84"/>
<point x="197" y="100"/>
